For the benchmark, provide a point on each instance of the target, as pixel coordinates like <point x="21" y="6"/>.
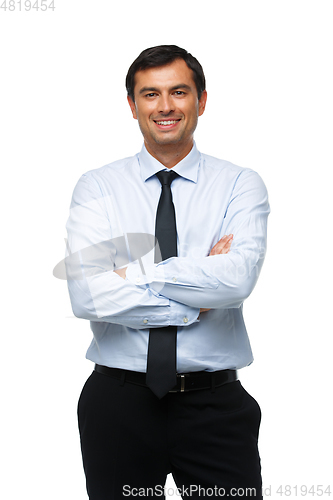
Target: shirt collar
<point x="188" y="167"/>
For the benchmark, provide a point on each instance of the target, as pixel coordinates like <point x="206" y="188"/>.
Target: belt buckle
<point x="182" y="381"/>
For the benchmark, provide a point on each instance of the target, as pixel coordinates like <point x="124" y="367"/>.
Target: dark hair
<point x="160" y="56"/>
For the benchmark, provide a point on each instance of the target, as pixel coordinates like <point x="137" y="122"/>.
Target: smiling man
<point x="167" y="323"/>
<point x="168" y="110"/>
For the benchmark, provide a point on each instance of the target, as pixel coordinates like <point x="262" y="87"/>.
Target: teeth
<point x="169" y="122"/>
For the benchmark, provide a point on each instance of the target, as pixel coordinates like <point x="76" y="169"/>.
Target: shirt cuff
<point x="183" y="315"/>
<point x="142" y="276"/>
<point x="180" y="314"/>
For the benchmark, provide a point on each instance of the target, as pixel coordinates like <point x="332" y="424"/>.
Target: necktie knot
<point x="166" y="177"/>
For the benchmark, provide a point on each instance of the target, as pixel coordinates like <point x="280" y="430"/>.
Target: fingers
<point x="121" y="272"/>
<point x="223" y="245"/>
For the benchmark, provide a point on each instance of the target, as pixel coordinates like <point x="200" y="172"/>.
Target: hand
<point x="121" y="272"/>
<point x="221" y="247"/>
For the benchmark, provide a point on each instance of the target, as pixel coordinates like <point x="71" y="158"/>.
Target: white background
<point x="268" y="66"/>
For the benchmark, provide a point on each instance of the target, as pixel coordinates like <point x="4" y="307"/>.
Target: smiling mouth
<point x="166" y="124"/>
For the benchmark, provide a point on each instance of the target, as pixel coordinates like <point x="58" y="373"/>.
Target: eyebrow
<point x="183" y="86"/>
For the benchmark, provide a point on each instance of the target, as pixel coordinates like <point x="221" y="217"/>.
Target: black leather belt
<point x="193" y="381"/>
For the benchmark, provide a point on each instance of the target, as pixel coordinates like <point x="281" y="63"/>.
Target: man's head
<point x="161" y="56"/>
<point x="166" y="93"/>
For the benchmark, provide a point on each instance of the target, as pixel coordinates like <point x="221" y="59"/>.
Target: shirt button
<point x="145" y="321"/>
<point x="138" y="280"/>
<point x="174" y="280"/>
<point x="185" y="320"/>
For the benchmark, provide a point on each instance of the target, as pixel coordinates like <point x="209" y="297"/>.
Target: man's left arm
<point x="222" y="280"/>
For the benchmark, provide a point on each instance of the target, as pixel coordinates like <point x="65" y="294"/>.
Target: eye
<point x="179" y="92"/>
<point x="151" y="94"/>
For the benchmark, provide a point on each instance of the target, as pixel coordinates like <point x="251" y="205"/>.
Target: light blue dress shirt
<point x="212" y="198"/>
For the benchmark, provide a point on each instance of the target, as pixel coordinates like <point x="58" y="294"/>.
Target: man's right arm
<point x="98" y="293"/>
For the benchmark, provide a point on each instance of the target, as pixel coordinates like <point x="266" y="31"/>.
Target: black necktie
<point x="161" y="362"/>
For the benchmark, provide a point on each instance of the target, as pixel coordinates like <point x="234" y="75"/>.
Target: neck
<point x="171" y="155"/>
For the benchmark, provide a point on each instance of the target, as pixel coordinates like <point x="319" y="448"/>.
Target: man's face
<point x="167" y="106"/>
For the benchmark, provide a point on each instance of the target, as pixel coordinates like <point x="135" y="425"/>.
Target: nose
<point x="165" y="104"/>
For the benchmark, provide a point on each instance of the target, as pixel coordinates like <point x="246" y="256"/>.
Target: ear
<point x="202" y="102"/>
<point x="132" y="106"/>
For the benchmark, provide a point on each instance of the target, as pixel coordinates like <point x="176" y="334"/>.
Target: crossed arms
<point x="221" y="247"/>
<point x="180" y="287"/>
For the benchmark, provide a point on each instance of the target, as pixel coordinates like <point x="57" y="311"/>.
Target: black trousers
<point x="131" y="440"/>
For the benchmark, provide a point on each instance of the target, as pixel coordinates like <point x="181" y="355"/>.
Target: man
<point x="174" y="308"/>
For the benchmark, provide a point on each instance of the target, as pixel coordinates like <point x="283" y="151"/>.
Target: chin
<point x="167" y="140"/>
